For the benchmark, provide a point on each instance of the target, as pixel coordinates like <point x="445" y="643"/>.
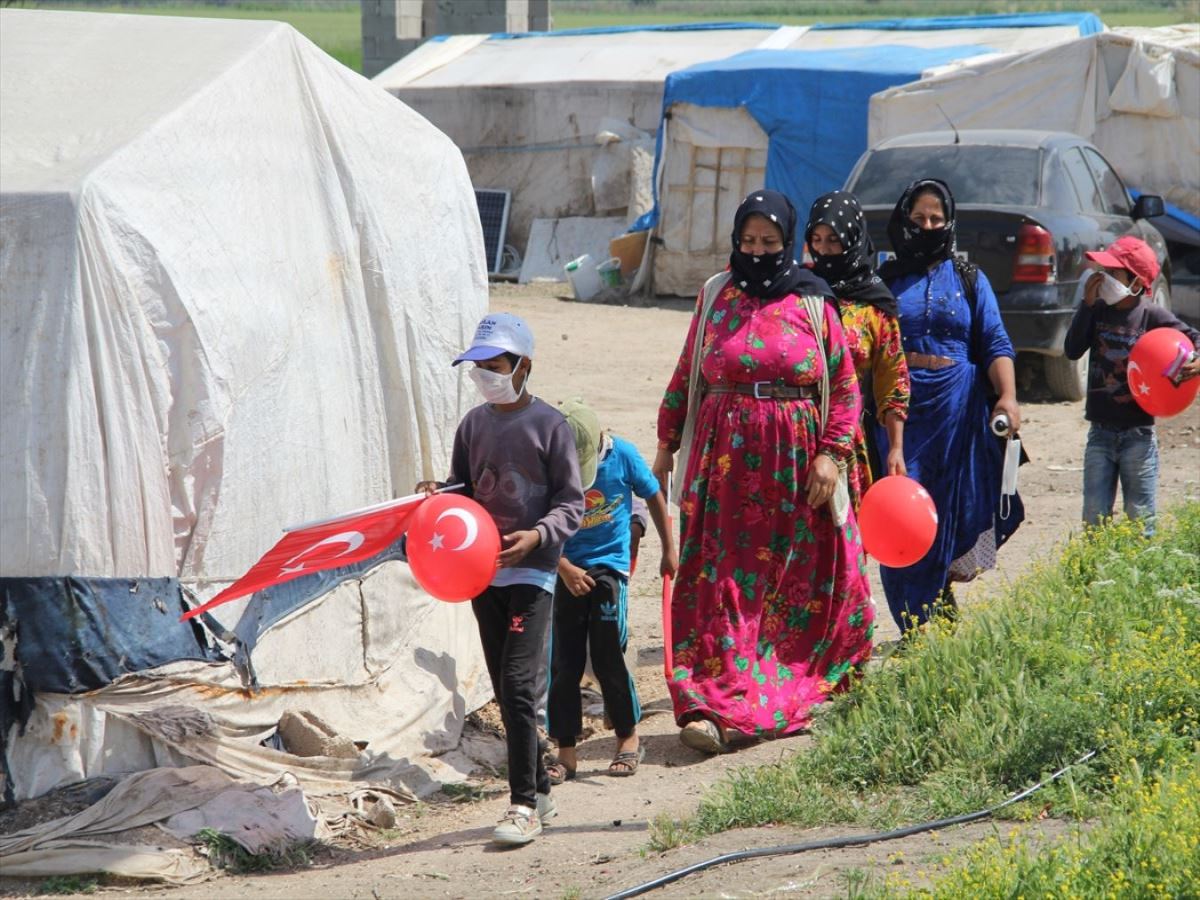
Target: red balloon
<point x="1154" y="352"/>
<point x="453" y="547"/>
<point x="898" y="521"/>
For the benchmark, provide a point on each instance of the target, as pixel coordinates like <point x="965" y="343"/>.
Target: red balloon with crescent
<point x="1153" y="357"/>
<point x="453" y="547"/>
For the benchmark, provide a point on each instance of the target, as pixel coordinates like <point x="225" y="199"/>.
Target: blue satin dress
<point x="948" y="446"/>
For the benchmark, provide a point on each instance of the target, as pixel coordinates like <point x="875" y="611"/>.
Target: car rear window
<point x="997" y="176"/>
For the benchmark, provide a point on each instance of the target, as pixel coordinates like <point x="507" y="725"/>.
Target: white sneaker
<point x="520" y="825"/>
<point x="547" y="809"/>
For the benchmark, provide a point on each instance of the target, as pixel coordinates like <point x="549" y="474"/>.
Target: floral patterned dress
<point x="873" y="337"/>
<point x="771" y="610"/>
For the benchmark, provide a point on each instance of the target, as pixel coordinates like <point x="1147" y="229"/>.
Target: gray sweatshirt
<point x="523" y="469"/>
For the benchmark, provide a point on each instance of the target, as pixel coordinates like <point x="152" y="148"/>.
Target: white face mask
<point x="1112" y="291"/>
<point x="494" y="387"/>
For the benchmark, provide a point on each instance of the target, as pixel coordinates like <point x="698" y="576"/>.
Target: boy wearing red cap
<point x="1122" y="445"/>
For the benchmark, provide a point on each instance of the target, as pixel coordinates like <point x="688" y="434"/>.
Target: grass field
<point x="336" y="27"/>
<point x="1099" y="651"/>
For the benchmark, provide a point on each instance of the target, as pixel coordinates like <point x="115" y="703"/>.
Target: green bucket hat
<point x="586" y="428"/>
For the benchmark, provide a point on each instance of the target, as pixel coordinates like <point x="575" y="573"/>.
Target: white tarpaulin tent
<point x="1135" y="95"/>
<point x="232" y="276"/>
<point x="526" y="110"/>
<point x="532" y="112"/>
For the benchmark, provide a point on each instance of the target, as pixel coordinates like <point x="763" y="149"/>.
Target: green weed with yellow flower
<point x="1097" y="650"/>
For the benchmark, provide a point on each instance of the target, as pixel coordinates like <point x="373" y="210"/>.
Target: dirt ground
<point x="619" y="359"/>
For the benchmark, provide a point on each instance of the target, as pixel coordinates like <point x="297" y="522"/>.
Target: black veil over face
<point x="851" y="275"/>
<point x="917" y="248"/>
<point x="777" y="274"/>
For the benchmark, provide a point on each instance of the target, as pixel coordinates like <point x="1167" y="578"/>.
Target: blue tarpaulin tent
<point x="812" y="105"/>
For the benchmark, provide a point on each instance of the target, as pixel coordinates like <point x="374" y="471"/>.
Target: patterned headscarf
<point x="852" y="274"/>
<point x="917" y="248"/>
<point x="777" y="274"/>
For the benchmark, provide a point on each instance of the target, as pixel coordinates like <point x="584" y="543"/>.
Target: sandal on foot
<point x="626" y="762"/>
<point x="558" y="773"/>
<point x="703" y="735"/>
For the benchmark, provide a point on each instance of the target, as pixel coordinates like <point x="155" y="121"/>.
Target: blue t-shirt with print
<point x="603" y="538"/>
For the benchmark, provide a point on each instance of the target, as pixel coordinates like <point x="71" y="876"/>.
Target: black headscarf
<point x="778" y="274"/>
<point x="852" y="274"/>
<point x="917" y="249"/>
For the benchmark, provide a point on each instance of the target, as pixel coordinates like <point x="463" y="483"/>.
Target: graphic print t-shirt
<point x="1111" y="334"/>
<point x="522" y="467"/>
<point x="603" y="537"/>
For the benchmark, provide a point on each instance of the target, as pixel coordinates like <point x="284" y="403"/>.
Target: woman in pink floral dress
<point x="771" y="611"/>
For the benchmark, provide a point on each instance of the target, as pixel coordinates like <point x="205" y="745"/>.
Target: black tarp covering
<point x="77" y="634"/>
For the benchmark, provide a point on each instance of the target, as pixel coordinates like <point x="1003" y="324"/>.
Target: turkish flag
<point x="327" y="544"/>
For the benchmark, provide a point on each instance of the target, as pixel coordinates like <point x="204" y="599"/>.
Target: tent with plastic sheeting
<point x="566" y="120"/>
<point x="1134" y="93"/>
<point x="232" y="276"/>
<point x="792" y="116"/>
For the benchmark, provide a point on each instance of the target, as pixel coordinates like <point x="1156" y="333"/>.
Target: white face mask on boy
<point x="494" y="387"/>
<point x="1111" y="291"/>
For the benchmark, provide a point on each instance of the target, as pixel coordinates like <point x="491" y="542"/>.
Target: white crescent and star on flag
<point x="352" y="539"/>
<point x="438" y="541"/>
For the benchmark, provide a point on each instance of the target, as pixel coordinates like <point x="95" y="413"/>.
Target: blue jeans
<point x="1128" y="455"/>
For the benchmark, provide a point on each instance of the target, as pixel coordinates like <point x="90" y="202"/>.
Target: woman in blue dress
<point x="961" y="364"/>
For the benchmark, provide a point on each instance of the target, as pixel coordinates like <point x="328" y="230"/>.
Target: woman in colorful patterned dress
<point x="959" y="358"/>
<point x="770" y="612"/>
<point x="843" y="255"/>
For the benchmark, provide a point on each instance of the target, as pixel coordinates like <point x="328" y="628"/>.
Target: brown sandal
<point x="627" y="762"/>
<point x="558" y="773"/>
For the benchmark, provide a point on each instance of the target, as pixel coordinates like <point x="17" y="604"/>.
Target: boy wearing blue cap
<point x="516" y="456"/>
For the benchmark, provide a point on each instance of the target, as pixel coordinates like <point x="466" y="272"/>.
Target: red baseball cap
<point x="1130" y="253"/>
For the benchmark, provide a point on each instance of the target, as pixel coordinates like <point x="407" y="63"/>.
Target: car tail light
<point x="1035" y="260"/>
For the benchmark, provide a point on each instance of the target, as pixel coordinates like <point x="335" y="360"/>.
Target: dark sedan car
<point x="1029" y="204"/>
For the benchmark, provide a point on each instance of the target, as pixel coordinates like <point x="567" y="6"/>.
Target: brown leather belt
<point x="926" y="361"/>
<point x="765" y="390"/>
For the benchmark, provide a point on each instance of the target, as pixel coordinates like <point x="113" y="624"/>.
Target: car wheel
<point x="1066" y="378"/>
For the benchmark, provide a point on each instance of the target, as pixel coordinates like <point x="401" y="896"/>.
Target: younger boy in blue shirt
<point x="590" y="598"/>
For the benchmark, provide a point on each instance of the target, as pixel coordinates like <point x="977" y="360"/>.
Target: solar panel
<point x="493" y="215"/>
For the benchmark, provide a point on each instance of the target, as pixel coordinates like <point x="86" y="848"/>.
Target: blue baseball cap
<point x="498" y="333"/>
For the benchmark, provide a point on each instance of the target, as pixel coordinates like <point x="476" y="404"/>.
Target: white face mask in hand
<point x="1112" y="291"/>
<point x="1008" y="479"/>
<point x="494" y="387"/>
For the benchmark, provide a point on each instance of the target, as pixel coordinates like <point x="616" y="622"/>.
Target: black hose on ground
<point x="851" y="841"/>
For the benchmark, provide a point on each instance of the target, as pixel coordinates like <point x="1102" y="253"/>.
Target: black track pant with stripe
<point x="512" y="627"/>
<point x="598" y="619"/>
